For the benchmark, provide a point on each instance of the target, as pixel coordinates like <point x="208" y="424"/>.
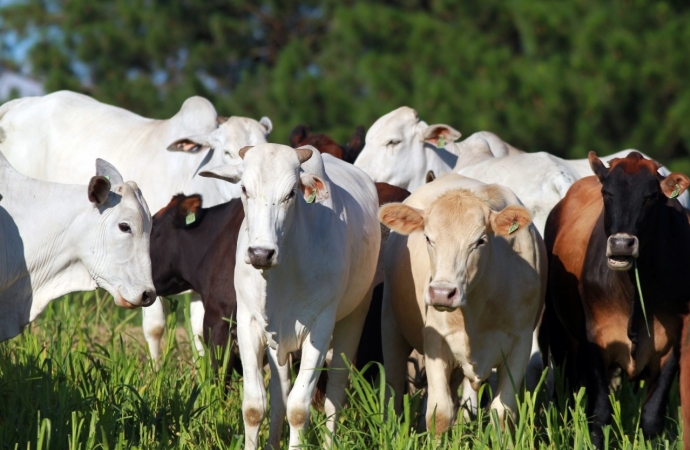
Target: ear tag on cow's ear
<point x="513" y="228"/>
<point x="312" y="197"/>
<point x="107" y="177"/>
<point x="191" y="217"/>
<point x="676" y="191"/>
<point x="441" y="141"/>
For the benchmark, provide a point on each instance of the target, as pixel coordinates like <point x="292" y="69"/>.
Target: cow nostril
<point x="148" y="298"/>
<point x="452" y="293"/>
<point x="269" y="254"/>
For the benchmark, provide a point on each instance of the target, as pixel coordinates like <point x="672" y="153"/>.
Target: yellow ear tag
<point x="191" y="217"/>
<point x="441" y="141"/>
<point x="312" y="197"/>
<point x="513" y="228"/>
<point x="676" y="191"/>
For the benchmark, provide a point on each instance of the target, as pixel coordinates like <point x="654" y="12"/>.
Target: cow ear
<point x="268" y="125"/>
<point x="298" y="135"/>
<point x="188" y="211"/>
<point x="356" y="144"/>
<point x="597" y="166"/>
<point x="232" y="173"/>
<point x="313" y="188"/>
<point x="401" y="218"/>
<point x="674" y="184"/>
<point x="440" y="133"/>
<point x="98" y="190"/>
<point x="107" y="170"/>
<point x="509" y="221"/>
<point x="192" y="144"/>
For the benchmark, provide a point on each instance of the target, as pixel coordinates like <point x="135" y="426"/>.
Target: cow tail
<point x="684" y="381"/>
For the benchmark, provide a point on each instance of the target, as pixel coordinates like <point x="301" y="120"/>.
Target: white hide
<point x="57" y="137"/>
<point x="55" y="241"/>
<point x="319" y="287"/>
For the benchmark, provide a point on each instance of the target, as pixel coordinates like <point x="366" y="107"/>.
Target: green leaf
<point x="191" y="217"/>
<point x="513" y="228"/>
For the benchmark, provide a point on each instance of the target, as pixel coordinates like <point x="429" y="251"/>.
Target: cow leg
<point x="684" y="381"/>
<point x="250" y="337"/>
<point x="439" y="411"/>
<point x="469" y="400"/>
<point x="196" y="317"/>
<point x="598" y="404"/>
<point x="314" y="350"/>
<point x="396" y="349"/>
<point x="346" y="335"/>
<point x="279" y="387"/>
<point x="653" y="412"/>
<point x="510" y="374"/>
<point x="153" y="323"/>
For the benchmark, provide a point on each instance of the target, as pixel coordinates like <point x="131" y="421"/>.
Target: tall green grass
<point x="79" y="378"/>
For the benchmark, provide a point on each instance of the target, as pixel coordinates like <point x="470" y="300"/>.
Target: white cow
<point x="306" y="257"/>
<point x="54" y="137"/>
<point x="60" y="238"/>
<point x="465" y="288"/>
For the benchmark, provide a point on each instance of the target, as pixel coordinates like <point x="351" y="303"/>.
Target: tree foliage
<point x="565" y="77"/>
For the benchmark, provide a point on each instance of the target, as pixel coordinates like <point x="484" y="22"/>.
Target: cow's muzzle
<point x="621" y="249"/>
<point x="261" y="257"/>
<point x="444" y="297"/>
<point x="147" y="298"/>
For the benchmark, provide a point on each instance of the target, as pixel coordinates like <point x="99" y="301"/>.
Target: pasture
<point x="79" y="378"/>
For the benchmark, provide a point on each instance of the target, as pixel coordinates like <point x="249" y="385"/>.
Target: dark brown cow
<point x="347" y="152"/>
<point x="626" y="216"/>
<point x="194" y="248"/>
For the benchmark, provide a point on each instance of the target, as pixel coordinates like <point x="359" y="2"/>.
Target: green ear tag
<point x="191" y="217"/>
<point x="312" y="197"/>
<point x="107" y="177"/>
<point x="441" y="141"/>
<point x="676" y="191"/>
<point x="513" y="228"/>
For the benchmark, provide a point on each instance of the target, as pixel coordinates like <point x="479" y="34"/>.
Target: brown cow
<point x="347" y="152"/>
<point x="624" y="216"/>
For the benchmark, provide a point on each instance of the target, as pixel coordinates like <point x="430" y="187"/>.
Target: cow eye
<point x="428" y="241"/>
<point x="125" y="228"/>
<point x="393" y="142"/>
<point x="244" y="190"/>
<point x="481" y="241"/>
<point x="290" y="195"/>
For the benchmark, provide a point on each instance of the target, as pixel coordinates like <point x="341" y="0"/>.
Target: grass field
<point x="79" y="378"/>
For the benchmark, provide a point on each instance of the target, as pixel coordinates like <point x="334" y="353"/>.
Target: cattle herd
<point x="302" y="249"/>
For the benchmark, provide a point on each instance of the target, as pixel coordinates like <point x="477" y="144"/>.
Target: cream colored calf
<point x="465" y="283"/>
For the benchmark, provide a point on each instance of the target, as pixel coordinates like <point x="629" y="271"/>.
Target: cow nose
<point x="623" y="244"/>
<point x="443" y="298"/>
<point x="147" y="298"/>
<point x="262" y="257"/>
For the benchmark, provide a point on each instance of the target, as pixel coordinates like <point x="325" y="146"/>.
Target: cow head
<point x="398" y="147"/>
<point x="113" y="240"/>
<point x="273" y="187"/>
<point x="632" y="192"/>
<point x="182" y="213"/>
<point x="460" y="231"/>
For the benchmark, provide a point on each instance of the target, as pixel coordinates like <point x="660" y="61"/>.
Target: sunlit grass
<point x="79" y="378"/>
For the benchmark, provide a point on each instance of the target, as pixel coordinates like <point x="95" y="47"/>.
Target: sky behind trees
<point x="564" y="77"/>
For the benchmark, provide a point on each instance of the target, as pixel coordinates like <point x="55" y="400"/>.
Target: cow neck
<point x="46" y="222"/>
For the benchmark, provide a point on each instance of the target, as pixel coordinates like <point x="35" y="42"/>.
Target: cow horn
<point x="303" y="154"/>
<point x="244" y="150"/>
